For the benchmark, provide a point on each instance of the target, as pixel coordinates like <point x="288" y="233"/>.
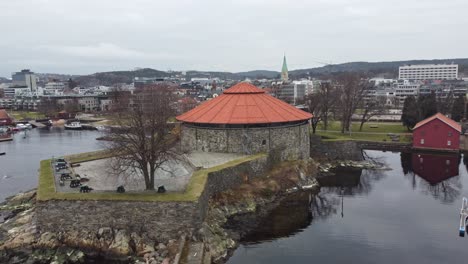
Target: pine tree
<point x="458" y="108"/>
<point x="409" y="116"/>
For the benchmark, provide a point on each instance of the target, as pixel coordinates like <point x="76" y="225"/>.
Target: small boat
<point x="21" y="126"/>
<point x="74" y="126"/>
<point x="2" y="153"/>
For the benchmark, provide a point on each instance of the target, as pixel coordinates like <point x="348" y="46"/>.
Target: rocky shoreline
<point x="221" y="237"/>
<point x="22" y="242"/>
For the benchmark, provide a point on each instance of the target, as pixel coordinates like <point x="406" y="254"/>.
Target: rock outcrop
<point x="21" y="241"/>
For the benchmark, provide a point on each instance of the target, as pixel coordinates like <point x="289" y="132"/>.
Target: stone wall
<point x="292" y="140"/>
<point x="158" y="221"/>
<point x="335" y="150"/>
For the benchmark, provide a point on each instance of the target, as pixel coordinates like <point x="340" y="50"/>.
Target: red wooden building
<point x="5" y="119"/>
<point x="437" y="132"/>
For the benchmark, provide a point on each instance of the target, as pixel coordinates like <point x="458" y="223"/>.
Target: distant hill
<point x="110" y="78"/>
<point x="389" y="69"/>
<point x="257" y="74"/>
<point x="372" y="69"/>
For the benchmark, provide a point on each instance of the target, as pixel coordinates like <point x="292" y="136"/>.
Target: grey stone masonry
<point x="335" y="150"/>
<point x="158" y="220"/>
<point x="292" y="140"/>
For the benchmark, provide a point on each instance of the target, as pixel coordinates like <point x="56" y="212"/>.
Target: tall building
<point x="25" y="78"/>
<point x="429" y="72"/>
<point x="284" y="70"/>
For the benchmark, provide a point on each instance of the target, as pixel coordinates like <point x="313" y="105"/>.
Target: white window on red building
<point x="422" y="141"/>
<point x="449" y="143"/>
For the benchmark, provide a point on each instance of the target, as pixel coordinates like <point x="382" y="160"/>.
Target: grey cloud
<point x="88" y="36"/>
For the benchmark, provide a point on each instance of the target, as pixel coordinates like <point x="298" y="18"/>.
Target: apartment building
<point x="429" y="72"/>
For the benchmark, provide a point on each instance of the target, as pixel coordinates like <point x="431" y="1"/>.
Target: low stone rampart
<point x="156" y="220"/>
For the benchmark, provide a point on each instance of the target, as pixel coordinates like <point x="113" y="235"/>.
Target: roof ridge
<point x="450" y="122"/>
<point x="244" y="108"/>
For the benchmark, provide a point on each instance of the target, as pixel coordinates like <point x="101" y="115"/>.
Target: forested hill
<point x="113" y="77"/>
<point x="372" y="69"/>
<point x="389" y="68"/>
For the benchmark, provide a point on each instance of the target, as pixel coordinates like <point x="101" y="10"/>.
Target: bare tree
<point x="320" y="104"/>
<point x="445" y="103"/>
<point x="373" y="107"/>
<point x="352" y="88"/>
<point x="72" y="106"/>
<point x="143" y="142"/>
<point x="313" y="104"/>
<point x="48" y="106"/>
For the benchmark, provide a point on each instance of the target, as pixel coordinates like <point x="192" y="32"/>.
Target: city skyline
<point x="84" y="37"/>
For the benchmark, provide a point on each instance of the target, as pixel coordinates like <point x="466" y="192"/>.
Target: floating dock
<point x="463" y="217"/>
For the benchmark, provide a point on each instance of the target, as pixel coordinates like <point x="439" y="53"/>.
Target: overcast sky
<point x="86" y="36"/>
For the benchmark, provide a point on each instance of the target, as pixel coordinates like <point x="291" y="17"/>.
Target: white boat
<point x="21" y="126"/>
<point x="74" y="126"/>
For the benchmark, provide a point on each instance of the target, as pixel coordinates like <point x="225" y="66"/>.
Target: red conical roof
<point x="244" y="104"/>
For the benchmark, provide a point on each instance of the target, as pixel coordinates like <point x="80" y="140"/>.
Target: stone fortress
<point x="244" y="119"/>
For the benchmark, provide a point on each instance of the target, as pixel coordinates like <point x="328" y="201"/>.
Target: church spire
<point x="284" y="70"/>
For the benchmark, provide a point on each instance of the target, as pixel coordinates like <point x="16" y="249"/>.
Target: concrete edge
<point x="179" y="250"/>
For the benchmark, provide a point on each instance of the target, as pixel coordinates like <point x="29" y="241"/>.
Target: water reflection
<point x="385" y="216"/>
<point x="434" y="174"/>
<point x="289" y="218"/>
<point x="297" y="211"/>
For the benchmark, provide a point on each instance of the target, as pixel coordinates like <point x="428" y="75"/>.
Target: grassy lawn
<point x="89" y="156"/>
<point x="376" y="127"/>
<point x="18" y="115"/>
<point x="195" y="187"/>
<point x="334" y="136"/>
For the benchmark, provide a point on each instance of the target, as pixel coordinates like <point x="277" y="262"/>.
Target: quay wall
<point x="156" y="220"/>
<point x="335" y="150"/>
<point x="349" y="149"/>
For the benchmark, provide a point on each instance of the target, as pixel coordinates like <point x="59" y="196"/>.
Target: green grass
<point x="333" y="136"/>
<point x="382" y="127"/>
<point x="18" y="115"/>
<point x="46" y="185"/>
<point x="89" y="156"/>
<point x="195" y="187"/>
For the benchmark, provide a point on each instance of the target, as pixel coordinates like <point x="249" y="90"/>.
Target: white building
<point x="429" y="72"/>
<point x="405" y="89"/>
<point x="378" y="81"/>
<point x="306" y="85"/>
<point x="54" y="88"/>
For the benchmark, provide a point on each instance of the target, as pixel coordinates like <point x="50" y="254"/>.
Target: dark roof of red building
<point x="244" y="104"/>
<point x="455" y="125"/>
<point x="4" y="114"/>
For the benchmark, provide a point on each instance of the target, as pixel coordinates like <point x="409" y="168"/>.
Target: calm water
<point x="19" y="167"/>
<point x="407" y="214"/>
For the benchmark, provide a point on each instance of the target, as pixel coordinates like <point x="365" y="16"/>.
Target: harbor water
<point x="409" y="214"/>
<point x="19" y="166"/>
